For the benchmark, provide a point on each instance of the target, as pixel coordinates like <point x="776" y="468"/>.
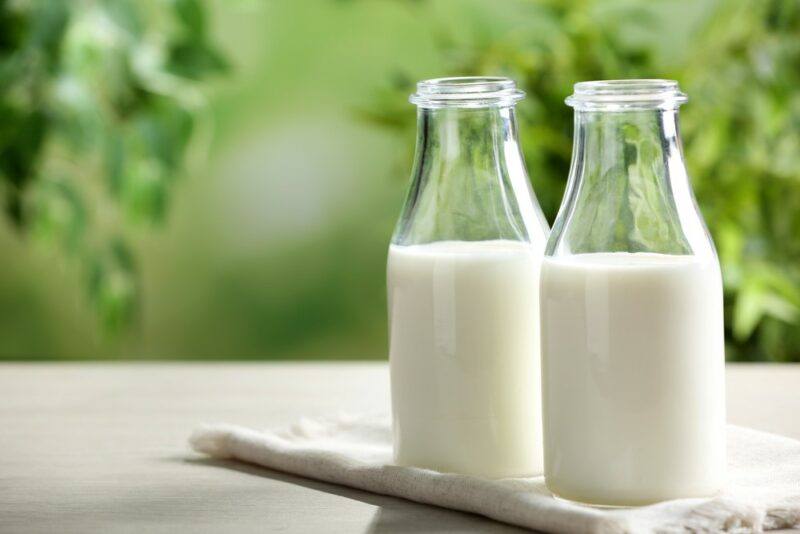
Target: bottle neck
<point x="628" y="189"/>
<point x="460" y="138"/>
<point x="468" y="181"/>
<point x="622" y="140"/>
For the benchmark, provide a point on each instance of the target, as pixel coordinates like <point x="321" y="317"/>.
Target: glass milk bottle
<point x="463" y="279"/>
<point x="631" y="310"/>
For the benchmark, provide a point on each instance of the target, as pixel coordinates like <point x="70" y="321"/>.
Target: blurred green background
<point x="219" y="180"/>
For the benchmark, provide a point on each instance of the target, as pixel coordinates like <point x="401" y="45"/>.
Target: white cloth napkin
<point x="763" y="490"/>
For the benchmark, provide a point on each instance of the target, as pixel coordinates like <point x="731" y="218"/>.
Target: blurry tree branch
<point x="100" y="104"/>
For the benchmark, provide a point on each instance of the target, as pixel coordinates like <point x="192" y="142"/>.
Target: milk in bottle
<point x="463" y="280"/>
<point x="631" y="311"/>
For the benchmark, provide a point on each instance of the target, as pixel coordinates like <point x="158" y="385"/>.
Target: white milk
<point x="464" y="356"/>
<point x="633" y="370"/>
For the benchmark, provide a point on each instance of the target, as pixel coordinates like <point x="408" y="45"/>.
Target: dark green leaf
<point x="190" y="14"/>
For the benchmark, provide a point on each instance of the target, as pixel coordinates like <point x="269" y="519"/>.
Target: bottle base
<point x="594" y="505"/>
<point x="485" y="472"/>
<point x="561" y="496"/>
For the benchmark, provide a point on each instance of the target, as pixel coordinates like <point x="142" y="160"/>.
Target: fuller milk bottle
<point x="631" y="311"/>
<point x="463" y="282"/>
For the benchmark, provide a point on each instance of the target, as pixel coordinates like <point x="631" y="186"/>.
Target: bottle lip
<point x="466" y="92"/>
<point x="626" y="95"/>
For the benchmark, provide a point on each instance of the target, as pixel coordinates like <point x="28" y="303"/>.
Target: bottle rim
<point x="626" y="95"/>
<point x="466" y="91"/>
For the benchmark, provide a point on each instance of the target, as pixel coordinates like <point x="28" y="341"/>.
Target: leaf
<point x="165" y="131"/>
<point x="23" y="136"/>
<point x="114" y="163"/>
<point x="748" y="311"/>
<point x="126" y="15"/>
<point x="764" y="294"/>
<point x="113" y="285"/>
<point x="47" y="25"/>
<point x="190" y="14"/>
<point x="779" y="308"/>
<point x="195" y="60"/>
<point x="144" y="191"/>
<point x="58" y="215"/>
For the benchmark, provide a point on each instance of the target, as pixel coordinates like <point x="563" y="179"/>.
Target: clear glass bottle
<point x="462" y="280"/>
<point x="631" y="310"/>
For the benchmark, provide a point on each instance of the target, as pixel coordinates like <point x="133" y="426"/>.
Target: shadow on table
<point x="394" y="515"/>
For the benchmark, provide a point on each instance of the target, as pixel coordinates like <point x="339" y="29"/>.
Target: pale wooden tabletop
<point x="90" y="447"/>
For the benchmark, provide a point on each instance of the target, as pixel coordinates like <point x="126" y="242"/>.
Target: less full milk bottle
<point x="463" y="283"/>
<point x="631" y="310"/>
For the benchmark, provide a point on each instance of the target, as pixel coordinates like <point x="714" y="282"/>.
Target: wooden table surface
<point x="90" y="447"/>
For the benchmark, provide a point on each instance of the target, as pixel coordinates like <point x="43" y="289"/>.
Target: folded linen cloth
<point x="763" y="490"/>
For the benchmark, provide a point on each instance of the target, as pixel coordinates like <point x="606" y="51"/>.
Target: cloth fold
<point x="763" y="490"/>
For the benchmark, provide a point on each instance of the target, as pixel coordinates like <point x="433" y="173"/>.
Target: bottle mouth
<point x="466" y="92"/>
<point x="626" y="95"/>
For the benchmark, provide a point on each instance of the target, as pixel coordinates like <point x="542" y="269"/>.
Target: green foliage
<point x="100" y="102"/>
<point x="739" y="61"/>
<point x="624" y="206"/>
<point x="459" y="184"/>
